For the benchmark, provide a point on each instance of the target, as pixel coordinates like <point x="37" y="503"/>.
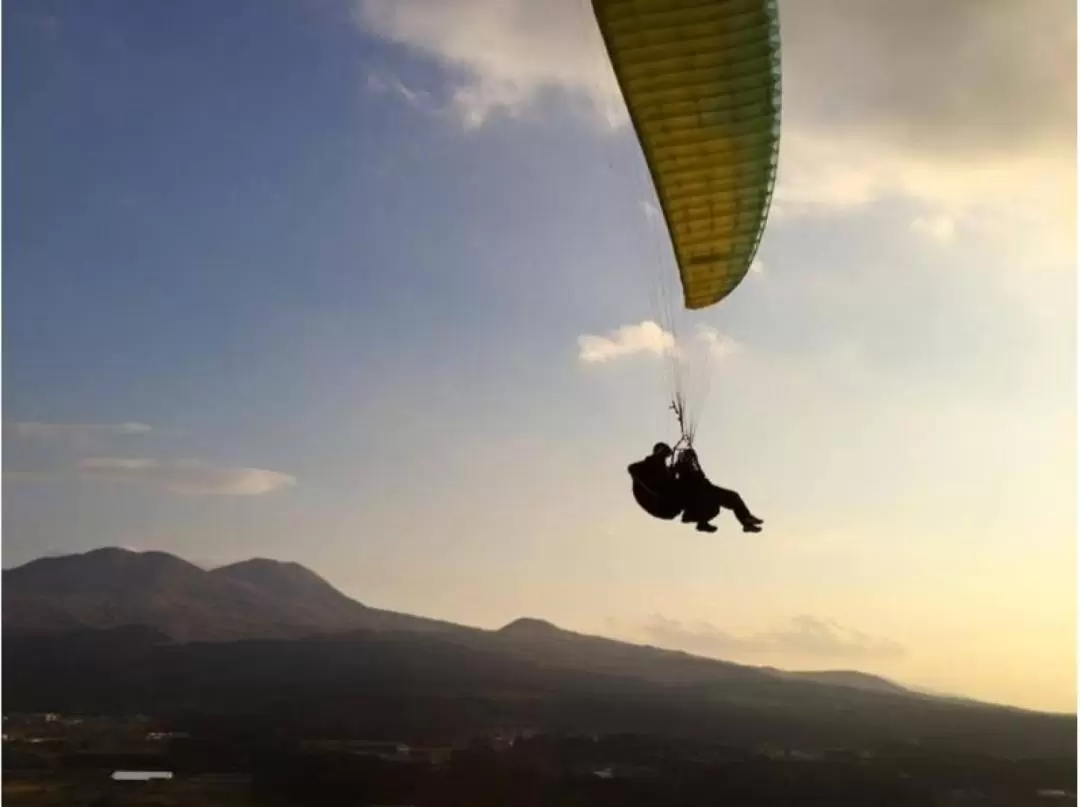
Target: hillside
<point x="262" y="598"/>
<point x="118" y="631"/>
<point x="265" y="599"/>
<point x="109" y="588"/>
<point x="429" y="689"/>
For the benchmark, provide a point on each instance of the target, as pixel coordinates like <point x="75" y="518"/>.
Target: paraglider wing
<point x="701" y="81"/>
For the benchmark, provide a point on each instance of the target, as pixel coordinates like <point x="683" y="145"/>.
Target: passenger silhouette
<point x="702" y="500"/>
<point x="656" y="489"/>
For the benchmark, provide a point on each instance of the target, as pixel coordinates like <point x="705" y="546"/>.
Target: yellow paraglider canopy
<point x="701" y="81"/>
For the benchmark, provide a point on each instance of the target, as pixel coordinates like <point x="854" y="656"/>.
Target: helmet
<point x="662" y="450"/>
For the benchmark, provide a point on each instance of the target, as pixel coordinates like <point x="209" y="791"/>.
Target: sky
<point x="366" y="285"/>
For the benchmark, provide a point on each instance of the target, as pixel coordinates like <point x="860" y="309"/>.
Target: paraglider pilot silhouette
<point x="666" y="484"/>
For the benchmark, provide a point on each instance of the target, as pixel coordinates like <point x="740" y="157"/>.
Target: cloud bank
<point x="963" y="108"/>
<point x="501" y="55"/>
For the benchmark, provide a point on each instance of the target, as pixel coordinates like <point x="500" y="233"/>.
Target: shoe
<point x="705" y="526"/>
<point x="755" y="520"/>
<point x="748" y="527"/>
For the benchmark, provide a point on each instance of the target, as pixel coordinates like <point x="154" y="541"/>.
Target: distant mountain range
<point x="113" y="630"/>
<point x="262" y="599"/>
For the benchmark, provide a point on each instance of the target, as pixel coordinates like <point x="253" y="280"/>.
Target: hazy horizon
<point x="358" y="285"/>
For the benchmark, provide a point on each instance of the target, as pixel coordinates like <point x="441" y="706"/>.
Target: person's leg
<point x="702" y="509"/>
<point x="733" y="501"/>
<point x="691" y="496"/>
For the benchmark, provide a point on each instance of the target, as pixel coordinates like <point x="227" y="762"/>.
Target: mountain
<point x="262" y="598"/>
<point x="847" y="678"/>
<point x="545" y="644"/>
<point x="311" y="601"/>
<point x="287" y="580"/>
<point x="108" y="588"/>
<point x="529" y="628"/>
<point x="115" y="631"/>
<point x="429" y="688"/>
<point x="269" y="599"/>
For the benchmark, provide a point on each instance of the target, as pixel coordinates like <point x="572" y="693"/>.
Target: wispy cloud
<point x="718" y="345"/>
<point x="188" y="477"/>
<point x="629" y="340"/>
<point x="383" y="83"/>
<point x="805" y="635"/>
<point x="74" y="431"/>
<point x="184" y="477"/>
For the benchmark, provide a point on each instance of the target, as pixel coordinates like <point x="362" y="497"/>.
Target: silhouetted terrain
<point x="427" y="689"/>
<point x="258" y="599"/>
<point x="108" y="588"/>
<point x="226" y="765"/>
<point x="309" y="661"/>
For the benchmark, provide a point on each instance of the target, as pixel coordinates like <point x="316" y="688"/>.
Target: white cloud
<point x="648" y="337"/>
<point x="936" y="228"/>
<point x="629" y="340"/>
<point x="805" y="635"/>
<point x="189" y="477"/>
<point x="74" y="431"/>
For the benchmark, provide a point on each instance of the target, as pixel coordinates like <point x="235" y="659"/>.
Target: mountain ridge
<point x="262" y="598"/>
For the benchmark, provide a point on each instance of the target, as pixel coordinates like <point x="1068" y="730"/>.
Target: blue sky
<point x="334" y="261"/>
